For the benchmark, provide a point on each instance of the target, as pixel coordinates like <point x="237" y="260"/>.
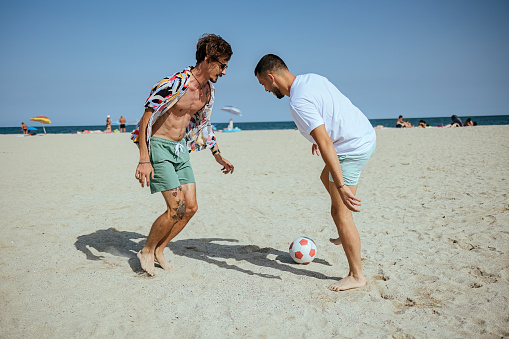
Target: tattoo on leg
<point x="175" y="191"/>
<point x="181" y="209"/>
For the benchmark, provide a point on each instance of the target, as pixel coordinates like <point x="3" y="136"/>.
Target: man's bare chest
<point x="191" y="102"/>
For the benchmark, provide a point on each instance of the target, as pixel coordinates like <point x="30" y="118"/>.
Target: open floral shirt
<point x="164" y="95"/>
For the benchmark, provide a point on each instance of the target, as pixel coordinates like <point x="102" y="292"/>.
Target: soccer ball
<point x="303" y="250"/>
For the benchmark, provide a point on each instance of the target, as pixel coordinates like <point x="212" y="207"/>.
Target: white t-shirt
<point x="315" y="101"/>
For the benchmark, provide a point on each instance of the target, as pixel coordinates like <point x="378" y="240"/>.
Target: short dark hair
<point x="213" y="46"/>
<point x="269" y="63"/>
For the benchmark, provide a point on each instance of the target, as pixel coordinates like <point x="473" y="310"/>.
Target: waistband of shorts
<point x="361" y="155"/>
<point x="166" y="141"/>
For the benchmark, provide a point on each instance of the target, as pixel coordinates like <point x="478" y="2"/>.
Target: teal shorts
<point x="171" y="163"/>
<point x="352" y="165"/>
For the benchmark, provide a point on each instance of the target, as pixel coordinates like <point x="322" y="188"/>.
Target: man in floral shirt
<point x="176" y="121"/>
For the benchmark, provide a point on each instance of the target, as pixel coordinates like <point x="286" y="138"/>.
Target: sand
<point x="434" y="231"/>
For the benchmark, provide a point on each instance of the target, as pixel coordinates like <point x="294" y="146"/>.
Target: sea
<point x="269" y="125"/>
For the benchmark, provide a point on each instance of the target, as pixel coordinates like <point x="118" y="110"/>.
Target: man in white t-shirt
<point x="341" y="134"/>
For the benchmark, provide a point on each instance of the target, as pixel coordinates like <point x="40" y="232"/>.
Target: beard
<point x="214" y="79"/>
<point x="277" y="92"/>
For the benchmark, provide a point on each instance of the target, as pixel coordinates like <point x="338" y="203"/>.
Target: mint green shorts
<point x="352" y="165"/>
<point x="171" y="163"/>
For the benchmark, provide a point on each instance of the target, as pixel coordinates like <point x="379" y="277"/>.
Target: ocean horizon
<point x="268" y="125"/>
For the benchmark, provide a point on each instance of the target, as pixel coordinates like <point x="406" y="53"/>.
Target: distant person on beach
<point x="469" y="122"/>
<point x="402" y="124"/>
<point x="24" y="128"/>
<point x="422" y="124"/>
<point x="108" y="124"/>
<point x="343" y="136"/>
<point x="230" y="126"/>
<point x="452" y="125"/>
<point x="122" y="122"/>
<point x="174" y="124"/>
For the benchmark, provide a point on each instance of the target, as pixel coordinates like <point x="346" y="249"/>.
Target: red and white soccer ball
<point x="303" y="250"/>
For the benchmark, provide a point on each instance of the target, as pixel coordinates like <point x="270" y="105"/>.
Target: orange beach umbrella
<point x="42" y="119"/>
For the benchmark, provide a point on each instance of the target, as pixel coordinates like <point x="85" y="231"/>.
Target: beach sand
<point x="434" y="231"/>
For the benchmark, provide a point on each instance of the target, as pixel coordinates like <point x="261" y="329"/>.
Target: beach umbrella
<point x="31" y="128"/>
<point x="456" y="120"/>
<point x="43" y="120"/>
<point x="232" y="109"/>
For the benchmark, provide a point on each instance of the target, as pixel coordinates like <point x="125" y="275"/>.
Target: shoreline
<point x="487" y="120"/>
<point x="242" y="130"/>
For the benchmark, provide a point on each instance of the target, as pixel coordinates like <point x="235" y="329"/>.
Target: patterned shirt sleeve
<point x="164" y="91"/>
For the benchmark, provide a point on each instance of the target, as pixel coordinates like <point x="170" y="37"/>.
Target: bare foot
<point x="161" y="260"/>
<point x="335" y="241"/>
<point x="348" y="283"/>
<point x="147" y="262"/>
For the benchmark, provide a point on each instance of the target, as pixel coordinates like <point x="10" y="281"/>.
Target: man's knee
<point x="334" y="210"/>
<point x="343" y="215"/>
<point x="324" y="178"/>
<point x="191" y="209"/>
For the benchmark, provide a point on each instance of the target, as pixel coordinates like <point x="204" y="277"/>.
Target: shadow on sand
<point x="211" y="250"/>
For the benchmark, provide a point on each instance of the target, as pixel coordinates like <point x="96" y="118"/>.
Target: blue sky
<point x="78" y="61"/>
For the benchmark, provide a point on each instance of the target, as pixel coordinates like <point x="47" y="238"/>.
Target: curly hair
<point x="214" y="47"/>
<point x="269" y="63"/>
